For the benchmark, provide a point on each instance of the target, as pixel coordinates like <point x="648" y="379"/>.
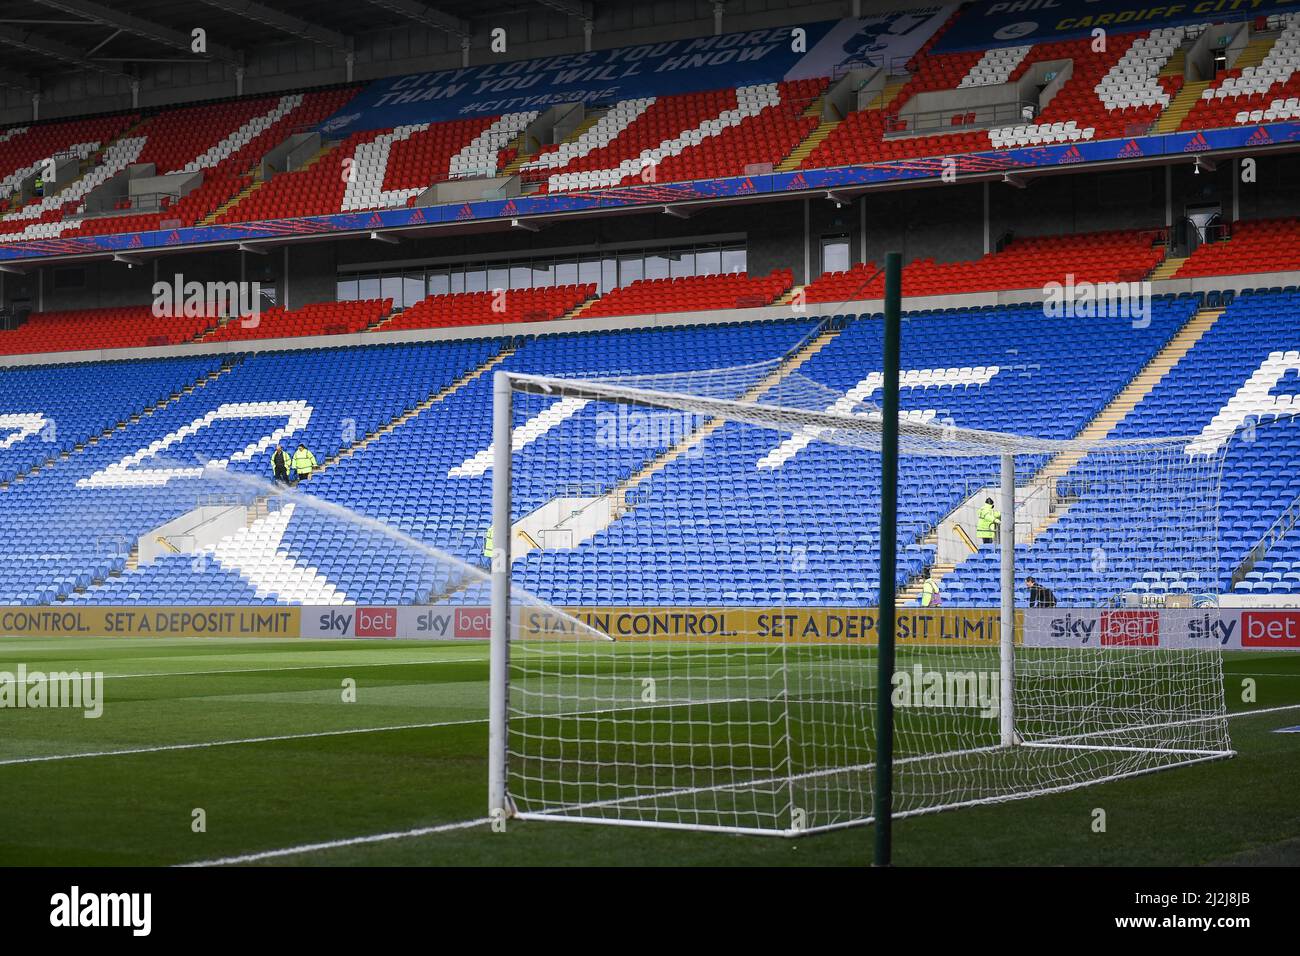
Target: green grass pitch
<point x="257" y="735"/>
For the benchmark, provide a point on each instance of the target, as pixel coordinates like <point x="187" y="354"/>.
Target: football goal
<point x="717" y="535"/>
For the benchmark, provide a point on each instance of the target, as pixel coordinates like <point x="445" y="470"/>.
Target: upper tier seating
<point x="375" y="169"/>
<point x="222" y="141"/>
<point x="1245" y="95"/>
<point x="692" y="293"/>
<point x="1117" y="92"/>
<point x="690" y="136"/>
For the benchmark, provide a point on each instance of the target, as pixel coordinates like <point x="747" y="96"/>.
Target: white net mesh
<point x="723" y="528"/>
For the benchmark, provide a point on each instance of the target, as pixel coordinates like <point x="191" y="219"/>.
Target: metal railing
<point x="1280" y="528"/>
<point x="1010" y="113"/>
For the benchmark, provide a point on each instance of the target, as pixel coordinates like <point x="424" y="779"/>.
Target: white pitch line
<point x="1263" y="710"/>
<point x="336" y="844"/>
<point x="377" y="730"/>
<point x="200" y="745"/>
<point x="464" y="825"/>
<point x="303" y="667"/>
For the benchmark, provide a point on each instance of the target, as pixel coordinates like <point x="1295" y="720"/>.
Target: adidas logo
<point x="1259" y="137"/>
<point x="1197" y="142"/>
<point x="798" y="182"/>
<point x="1071" y="155"/>
<point x="1131" y="148"/>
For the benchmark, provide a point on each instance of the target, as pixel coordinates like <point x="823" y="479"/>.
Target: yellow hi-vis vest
<point x="989" y="520"/>
<point x="487" y="543"/>
<point x="928" y="590"/>
<point x="304" y="462"/>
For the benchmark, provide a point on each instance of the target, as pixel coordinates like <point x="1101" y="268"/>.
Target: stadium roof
<point x="44" y="38"/>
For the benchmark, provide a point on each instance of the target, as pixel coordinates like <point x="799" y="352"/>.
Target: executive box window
<point x="408" y="286"/>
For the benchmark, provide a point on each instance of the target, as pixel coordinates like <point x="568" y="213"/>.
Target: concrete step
<point x="1180" y="106"/>
<point x="805" y="148"/>
<point x="1168" y="268"/>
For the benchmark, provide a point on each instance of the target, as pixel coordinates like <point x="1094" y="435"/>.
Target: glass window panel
<point x="368" y="287"/>
<point x="566" y="273"/>
<point x="734" y="260"/>
<point x="498" y="278"/>
<point x="589" y="271"/>
<point x="439" y="282"/>
<point x="543" y="275"/>
<point x="457" y="282"/>
<point x="608" y="275"/>
<point x="630" y="270"/>
<point x="476" y="280"/>
<point x="521" y="277"/>
<point x="412" y="288"/>
<point x="708" y="262"/>
<point x="347" y="290"/>
<point x="656" y="267"/>
<point x="391" y="288"/>
<point x="682" y="264"/>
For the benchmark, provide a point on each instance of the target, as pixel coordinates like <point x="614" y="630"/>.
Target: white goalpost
<point x="703" y="653"/>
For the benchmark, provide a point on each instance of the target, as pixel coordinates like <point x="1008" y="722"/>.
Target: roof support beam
<point x="17" y="81"/>
<point x="285" y="23"/>
<point x="32" y="43"/>
<point x="138" y="27"/>
<point x="578" y="9"/>
<point x="425" y="16"/>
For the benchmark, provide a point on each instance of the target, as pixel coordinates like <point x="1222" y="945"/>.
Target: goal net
<point x="722" y="529"/>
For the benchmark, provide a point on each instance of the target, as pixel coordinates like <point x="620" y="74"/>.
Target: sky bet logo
<point x="1115" y="629"/>
<point x="433" y="623"/>
<point x="473" y="622"/>
<point x="1130" y="628"/>
<point x="376" y="622"/>
<point x="1210" y="628"/>
<point x="335" y="622"/>
<point x="363" y="622"/>
<point x="1270" y="629"/>
<point x="1078" y="630"/>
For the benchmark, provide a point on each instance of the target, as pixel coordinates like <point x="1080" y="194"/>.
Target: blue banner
<point x="983" y="26"/>
<point x="652" y="69"/>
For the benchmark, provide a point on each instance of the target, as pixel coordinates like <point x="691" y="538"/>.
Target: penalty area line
<point x="1263" y="710"/>
<point x="203" y="744"/>
<point x="338" y="844"/>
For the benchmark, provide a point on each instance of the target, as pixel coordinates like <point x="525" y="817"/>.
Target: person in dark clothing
<point x="1039" y="596"/>
<point x="280" y="464"/>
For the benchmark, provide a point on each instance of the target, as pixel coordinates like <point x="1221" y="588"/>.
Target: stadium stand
<point x="322" y="318"/>
<point x="487" y="308"/>
<point x="401" y="430"/>
<point x="1028" y="263"/>
<point x="114" y="328"/>
<point x="1135" y="86"/>
<point x="692" y="293"/>
<point x="1261" y="245"/>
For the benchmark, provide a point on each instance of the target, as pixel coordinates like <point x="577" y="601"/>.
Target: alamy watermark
<point x="197" y="300"/>
<point x="38" y="690"/>
<point x="655" y="430"/>
<point x="947" y="689"/>
<point x="1072" y="299"/>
